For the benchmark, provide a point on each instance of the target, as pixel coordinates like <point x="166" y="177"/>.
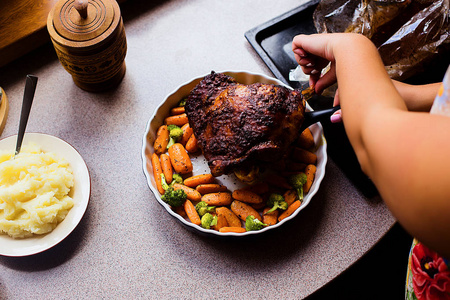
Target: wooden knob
<point x="81" y="6"/>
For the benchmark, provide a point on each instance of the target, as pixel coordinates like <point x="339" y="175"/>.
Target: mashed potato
<point x="34" y="192"/>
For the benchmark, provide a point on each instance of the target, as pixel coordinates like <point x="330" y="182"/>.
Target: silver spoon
<point x="28" y="95"/>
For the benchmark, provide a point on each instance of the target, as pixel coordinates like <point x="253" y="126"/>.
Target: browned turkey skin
<point x="241" y="125"/>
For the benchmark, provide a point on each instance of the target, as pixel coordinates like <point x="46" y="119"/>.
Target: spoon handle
<point x="28" y="95"/>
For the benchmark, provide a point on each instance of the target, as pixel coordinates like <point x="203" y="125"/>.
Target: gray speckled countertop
<point x="127" y="246"/>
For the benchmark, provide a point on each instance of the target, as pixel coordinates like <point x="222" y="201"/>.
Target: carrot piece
<point x="247" y="196"/>
<point x="217" y="199"/>
<point x="187" y="132"/>
<point x="157" y="171"/>
<point x="166" y="167"/>
<point x="290" y="210"/>
<point x="310" y="172"/>
<point x="290" y="196"/>
<point x="192" y="144"/>
<point x="279" y="181"/>
<point x="180" y="210"/>
<point x="180" y="159"/>
<point x="306" y="139"/>
<point x="232" y="229"/>
<point x="295" y="166"/>
<point x="304" y="156"/>
<point x="178" y="120"/>
<point x="193" y="181"/>
<point x="208" y="188"/>
<point x="178" y="110"/>
<point x="221" y="221"/>
<point x="270" y="218"/>
<point x="161" y="140"/>
<point x="258" y="206"/>
<point x="232" y="219"/>
<point x="258" y="188"/>
<point x="243" y="210"/>
<point x="190" y="192"/>
<point x="192" y="214"/>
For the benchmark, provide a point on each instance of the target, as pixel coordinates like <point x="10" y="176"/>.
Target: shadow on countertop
<point x="379" y="274"/>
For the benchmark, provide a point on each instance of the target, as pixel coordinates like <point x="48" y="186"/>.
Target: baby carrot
<point x="232" y="219"/>
<point x="290" y="210"/>
<point x="232" y="229"/>
<point x="247" y="196"/>
<point x="166" y="167"/>
<point x="310" y="172"/>
<point x="179" y="210"/>
<point x="279" y="181"/>
<point x="290" y="196"/>
<point x="187" y="132"/>
<point x="270" y="218"/>
<point x="178" y="110"/>
<point x="295" y="166"/>
<point x="306" y="139"/>
<point x="179" y="158"/>
<point x="192" y="144"/>
<point x="217" y="199"/>
<point x="258" y="206"/>
<point x="157" y="171"/>
<point x="193" y="181"/>
<point x="304" y="156"/>
<point x="191" y="212"/>
<point x="162" y="139"/>
<point x="178" y="120"/>
<point x="208" y="188"/>
<point x="190" y="192"/>
<point x="221" y="221"/>
<point x="258" y="188"/>
<point x="243" y="210"/>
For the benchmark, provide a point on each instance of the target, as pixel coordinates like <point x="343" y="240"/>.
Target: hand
<point x="311" y="54"/>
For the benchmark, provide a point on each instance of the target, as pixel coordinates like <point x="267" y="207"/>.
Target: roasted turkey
<point x="240" y="125"/>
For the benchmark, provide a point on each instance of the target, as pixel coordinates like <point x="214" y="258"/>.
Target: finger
<point x="300" y="52"/>
<point x="326" y="80"/>
<point x="307" y="62"/>
<point x="336" y="117"/>
<point x="336" y="98"/>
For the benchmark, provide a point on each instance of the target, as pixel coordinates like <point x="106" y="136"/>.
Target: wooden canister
<point x="89" y="39"/>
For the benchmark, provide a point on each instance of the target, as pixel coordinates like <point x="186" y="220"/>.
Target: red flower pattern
<point x="431" y="276"/>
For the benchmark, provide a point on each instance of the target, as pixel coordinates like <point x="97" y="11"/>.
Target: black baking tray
<point x="272" y="40"/>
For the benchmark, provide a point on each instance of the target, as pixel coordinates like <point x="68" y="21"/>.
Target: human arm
<point x="417" y="97"/>
<point x="404" y="153"/>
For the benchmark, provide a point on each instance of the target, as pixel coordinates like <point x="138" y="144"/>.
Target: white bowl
<point x="80" y="194"/>
<point x="200" y="164"/>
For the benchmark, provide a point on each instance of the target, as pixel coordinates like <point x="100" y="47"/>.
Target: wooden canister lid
<point x="83" y="20"/>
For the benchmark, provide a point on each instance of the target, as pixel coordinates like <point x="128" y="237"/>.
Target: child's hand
<point x="313" y="53"/>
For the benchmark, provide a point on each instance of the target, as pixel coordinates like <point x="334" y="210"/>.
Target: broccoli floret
<point x="202" y="208"/>
<point x="177" y="179"/>
<point x="172" y="197"/>
<point x="276" y="201"/>
<point x="208" y="220"/>
<point x="252" y="223"/>
<point x="182" y="102"/>
<point x="297" y="181"/>
<point x="175" y="134"/>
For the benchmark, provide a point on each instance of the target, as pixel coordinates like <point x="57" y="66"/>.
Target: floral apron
<point x="428" y="275"/>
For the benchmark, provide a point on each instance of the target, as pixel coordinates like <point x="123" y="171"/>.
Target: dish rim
<point x="173" y="97"/>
